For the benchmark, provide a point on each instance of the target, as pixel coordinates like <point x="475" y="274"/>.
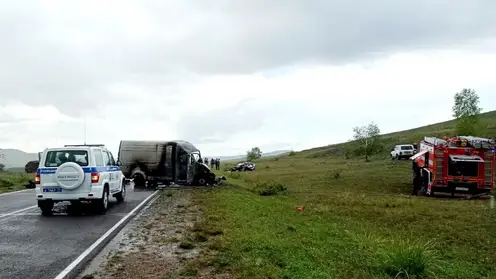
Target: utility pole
<point x="85" y="130"/>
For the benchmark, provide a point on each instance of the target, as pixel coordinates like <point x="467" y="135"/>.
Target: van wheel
<point x="121" y="196"/>
<point x="46" y="208"/>
<point x="101" y="205"/>
<point x="200" y="181"/>
<point x="139" y="181"/>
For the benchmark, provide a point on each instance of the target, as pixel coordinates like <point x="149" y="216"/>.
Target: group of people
<point x="213" y="162"/>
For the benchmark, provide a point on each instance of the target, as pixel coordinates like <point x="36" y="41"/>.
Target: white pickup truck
<point x="402" y="151"/>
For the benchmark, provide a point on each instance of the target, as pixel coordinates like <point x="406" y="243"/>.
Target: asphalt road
<point x="10" y="202"/>
<point x="35" y="246"/>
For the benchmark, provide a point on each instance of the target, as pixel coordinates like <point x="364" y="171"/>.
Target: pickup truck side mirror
<point x="118" y="163"/>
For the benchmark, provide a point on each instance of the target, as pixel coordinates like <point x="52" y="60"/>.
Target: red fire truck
<point x="459" y="165"/>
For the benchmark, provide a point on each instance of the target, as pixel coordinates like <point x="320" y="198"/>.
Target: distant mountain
<point x="13" y="158"/>
<point x="243" y="157"/>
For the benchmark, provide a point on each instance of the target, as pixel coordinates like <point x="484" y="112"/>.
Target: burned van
<point x="163" y="162"/>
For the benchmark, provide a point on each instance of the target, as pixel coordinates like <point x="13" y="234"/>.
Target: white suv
<point x="77" y="173"/>
<point x="402" y="151"/>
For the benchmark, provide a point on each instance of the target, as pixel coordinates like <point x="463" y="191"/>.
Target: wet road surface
<point x="35" y="246"/>
<point x="11" y="202"/>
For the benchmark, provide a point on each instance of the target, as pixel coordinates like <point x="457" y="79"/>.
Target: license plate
<point x="461" y="189"/>
<point x="52" y="190"/>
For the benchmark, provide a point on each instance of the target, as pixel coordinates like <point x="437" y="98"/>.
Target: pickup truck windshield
<point x="57" y="158"/>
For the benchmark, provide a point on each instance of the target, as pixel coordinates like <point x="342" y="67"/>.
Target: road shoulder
<point x="164" y="241"/>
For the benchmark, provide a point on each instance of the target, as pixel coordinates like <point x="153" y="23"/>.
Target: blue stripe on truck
<point x="85" y="169"/>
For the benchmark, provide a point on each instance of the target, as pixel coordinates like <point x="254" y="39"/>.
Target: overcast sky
<point x="228" y="75"/>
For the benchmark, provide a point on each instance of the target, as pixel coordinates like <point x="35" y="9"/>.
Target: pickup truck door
<point x="109" y="171"/>
<point x="116" y="172"/>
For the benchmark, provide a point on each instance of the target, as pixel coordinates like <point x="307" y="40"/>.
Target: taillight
<point x="37" y="179"/>
<point x="95" y="177"/>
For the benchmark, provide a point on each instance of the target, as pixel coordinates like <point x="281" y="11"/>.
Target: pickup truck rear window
<point x="57" y="158"/>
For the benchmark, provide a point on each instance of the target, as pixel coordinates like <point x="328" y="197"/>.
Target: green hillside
<point x="13" y="181"/>
<point x="359" y="219"/>
<point x="442" y="129"/>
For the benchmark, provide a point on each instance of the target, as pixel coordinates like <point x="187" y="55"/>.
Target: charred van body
<point x="164" y="162"/>
<point x="31" y="166"/>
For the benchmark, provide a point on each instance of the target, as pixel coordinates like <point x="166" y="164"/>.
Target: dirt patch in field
<point x="166" y="241"/>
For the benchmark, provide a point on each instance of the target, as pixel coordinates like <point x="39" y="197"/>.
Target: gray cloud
<point x="254" y="35"/>
<point x="215" y="126"/>
<point x="69" y="58"/>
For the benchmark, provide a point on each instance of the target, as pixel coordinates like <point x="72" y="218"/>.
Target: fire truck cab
<point x="459" y="165"/>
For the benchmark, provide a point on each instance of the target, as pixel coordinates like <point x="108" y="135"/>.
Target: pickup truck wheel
<point x="121" y="196"/>
<point x="46" y="208"/>
<point x="101" y="205"/>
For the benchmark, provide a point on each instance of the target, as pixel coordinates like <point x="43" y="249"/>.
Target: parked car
<point x="402" y="151"/>
<point x="150" y="163"/>
<point x="245" y="166"/>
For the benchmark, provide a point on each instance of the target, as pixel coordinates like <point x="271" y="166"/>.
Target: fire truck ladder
<point x="435" y="141"/>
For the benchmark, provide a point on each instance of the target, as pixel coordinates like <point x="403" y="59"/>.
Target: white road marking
<point x="81" y="257"/>
<point x="15" y="192"/>
<point x="17" y="211"/>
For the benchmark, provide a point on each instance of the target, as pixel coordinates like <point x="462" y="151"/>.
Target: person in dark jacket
<point x="217" y="164"/>
<point x="212" y="162"/>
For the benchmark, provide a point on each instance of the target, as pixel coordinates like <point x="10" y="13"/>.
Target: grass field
<point x="359" y="219"/>
<point x="13" y="180"/>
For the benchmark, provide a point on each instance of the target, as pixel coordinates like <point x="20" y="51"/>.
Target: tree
<point x="466" y="110"/>
<point x="367" y="137"/>
<point x="2" y="166"/>
<point x="254" y="154"/>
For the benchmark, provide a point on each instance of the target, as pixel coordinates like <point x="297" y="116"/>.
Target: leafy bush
<point x="6" y="183"/>
<point x="398" y="258"/>
<point x="408" y="259"/>
<point x="270" y="189"/>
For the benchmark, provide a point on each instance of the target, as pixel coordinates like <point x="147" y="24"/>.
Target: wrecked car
<point x="31" y="166"/>
<point x="150" y="163"/>
<point x="245" y="166"/>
